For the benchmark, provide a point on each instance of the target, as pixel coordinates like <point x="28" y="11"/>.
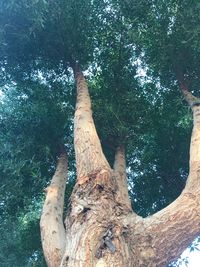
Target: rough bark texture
<point x="120" y="176"/>
<point x="101" y="229"/>
<point x="172" y="229"/>
<point x="89" y="156"/>
<point x="51" y="223"/>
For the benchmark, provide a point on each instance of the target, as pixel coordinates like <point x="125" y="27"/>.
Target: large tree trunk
<point x="93" y="225"/>
<point x="101" y="230"/>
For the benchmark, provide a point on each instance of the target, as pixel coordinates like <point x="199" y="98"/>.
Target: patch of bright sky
<point x="193" y="258"/>
<point x="1" y="96"/>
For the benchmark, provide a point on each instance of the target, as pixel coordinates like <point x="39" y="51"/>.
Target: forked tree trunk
<point x="101" y="230"/>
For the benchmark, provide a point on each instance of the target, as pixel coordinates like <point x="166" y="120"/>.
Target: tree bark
<point x="51" y="223"/>
<point x="93" y="226"/>
<point x="101" y="230"/>
<point x="171" y="230"/>
<point x="121" y="177"/>
<point x="89" y="155"/>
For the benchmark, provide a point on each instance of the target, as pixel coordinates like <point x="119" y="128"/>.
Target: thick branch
<point x="120" y="176"/>
<point x="189" y="97"/>
<point x="51" y="223"/>
<point x="193" y="181"/>
<point x="172" y="229"/>
<point x="89" y="155"/>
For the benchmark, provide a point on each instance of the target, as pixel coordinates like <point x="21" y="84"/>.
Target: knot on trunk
<point x="106" y="242"/>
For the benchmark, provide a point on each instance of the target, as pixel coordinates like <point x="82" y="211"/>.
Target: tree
<point x="30" y="145"/>
<point x="100" y="228"/>
<point x="103" y="223"/>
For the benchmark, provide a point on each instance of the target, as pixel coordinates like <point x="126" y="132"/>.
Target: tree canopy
<point x="136" y="55"/>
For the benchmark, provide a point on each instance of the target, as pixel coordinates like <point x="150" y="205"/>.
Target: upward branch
<point x="189" y="97"/>
<point x="89" y="155"/>
<point x="194" y="103"/>
<point x="120" y="176"/>
<point x="51" y="223"/>
<point x="166" y="234"/>
<point x="176" y="226"/>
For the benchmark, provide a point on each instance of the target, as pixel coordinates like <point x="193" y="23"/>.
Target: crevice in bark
<point x="94" y="230"/>
<point x="51" y="223"/>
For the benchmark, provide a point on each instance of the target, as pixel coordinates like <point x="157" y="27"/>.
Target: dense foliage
<point x="134" y="54"/>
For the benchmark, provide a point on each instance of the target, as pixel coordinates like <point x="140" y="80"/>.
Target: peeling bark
<point x="51" y="223"/>
<point x="94" y="229"/>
